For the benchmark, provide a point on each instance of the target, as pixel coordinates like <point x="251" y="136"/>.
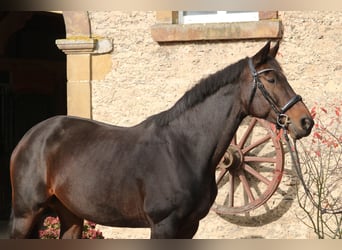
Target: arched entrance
<point x="83" y="50"/>
<point x="32" y="81"/>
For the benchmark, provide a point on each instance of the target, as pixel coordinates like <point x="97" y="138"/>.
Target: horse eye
<point x="271" y="80"/>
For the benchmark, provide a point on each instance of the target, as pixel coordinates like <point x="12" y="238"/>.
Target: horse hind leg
<point x="71" y="225"/>
<point x="28" y="204"/>
<point x="29" y="201"/>
<point x="25" y="225"/>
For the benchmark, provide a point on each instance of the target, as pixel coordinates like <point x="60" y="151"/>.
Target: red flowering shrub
<point x="321" y="163"/>
<point x="326" y="130"/>
<point x="89" y="231"/>
<point x="51" y="229"/>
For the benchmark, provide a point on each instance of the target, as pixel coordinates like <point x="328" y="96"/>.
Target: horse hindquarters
<point x="29" y="189"/>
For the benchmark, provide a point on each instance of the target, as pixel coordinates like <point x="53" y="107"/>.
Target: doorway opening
<point x="32" y="82"/>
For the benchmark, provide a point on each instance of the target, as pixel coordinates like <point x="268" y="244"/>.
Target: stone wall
<point x="146" y="77"/>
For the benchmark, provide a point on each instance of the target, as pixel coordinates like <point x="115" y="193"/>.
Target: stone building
<point x="121" y="67"/>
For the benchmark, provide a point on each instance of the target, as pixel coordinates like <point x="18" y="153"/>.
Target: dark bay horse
<point x="159" y="173"/>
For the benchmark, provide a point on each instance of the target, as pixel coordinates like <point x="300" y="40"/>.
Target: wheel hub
<point x="233" y="158"/>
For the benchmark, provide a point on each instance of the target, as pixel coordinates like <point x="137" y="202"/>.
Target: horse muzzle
<point x="301" y="128"/>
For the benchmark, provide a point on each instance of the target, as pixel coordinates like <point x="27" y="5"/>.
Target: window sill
<point x="263" y="29"/>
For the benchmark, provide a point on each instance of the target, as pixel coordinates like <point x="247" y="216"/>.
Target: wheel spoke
<point x="234" y="142"/>
<point x="221" y="174"/>
<point x="247" y="133"/>
<point x="259" y="159"/>
<point x="231" y="190"/>
<point x="246" y="186"/>
<point x="256" y="174"/>
<point x="255" y="144"/>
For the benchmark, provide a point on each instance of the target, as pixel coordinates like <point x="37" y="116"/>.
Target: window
<point x="189" y="17"/>
<point x="179" y="26"/>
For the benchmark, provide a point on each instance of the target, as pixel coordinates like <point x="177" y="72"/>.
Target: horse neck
<point x="209" y="126"/>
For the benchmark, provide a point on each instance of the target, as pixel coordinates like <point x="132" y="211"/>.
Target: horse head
<point x="268" y="94"/>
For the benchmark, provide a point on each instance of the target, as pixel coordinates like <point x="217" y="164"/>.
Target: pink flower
<point x="318" y="153"/>
<point x="51" y="229"/>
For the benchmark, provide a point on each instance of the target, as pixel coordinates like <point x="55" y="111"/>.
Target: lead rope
<point x="296" y="163"/>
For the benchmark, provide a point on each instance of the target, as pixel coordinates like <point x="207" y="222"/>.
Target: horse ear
<point x="261" y="56"/>
<point x="273" y="52"/>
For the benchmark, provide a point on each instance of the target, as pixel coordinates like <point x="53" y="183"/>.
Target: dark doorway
<point x="32" y="81"/>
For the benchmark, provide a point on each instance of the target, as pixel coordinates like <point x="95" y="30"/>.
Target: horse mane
<point x="199" y="92"/>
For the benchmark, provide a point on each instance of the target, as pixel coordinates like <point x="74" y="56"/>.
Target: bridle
<point x="282" y="118"/>
<point x="282" y="123"/>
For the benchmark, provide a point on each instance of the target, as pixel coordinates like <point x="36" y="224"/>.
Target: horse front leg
<point x="188" y="230"/>
<point x="164" y="230"/>
<point x="174" y="228"/>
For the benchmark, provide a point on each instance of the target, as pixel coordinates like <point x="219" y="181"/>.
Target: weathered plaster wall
<point x="147" y="77"/>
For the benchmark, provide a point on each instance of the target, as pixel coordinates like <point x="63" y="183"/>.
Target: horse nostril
<point x="307" y="123"/>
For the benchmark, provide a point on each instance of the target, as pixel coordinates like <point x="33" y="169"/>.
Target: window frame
<point x="219" y="17"/>
<point x="169" y="29"/>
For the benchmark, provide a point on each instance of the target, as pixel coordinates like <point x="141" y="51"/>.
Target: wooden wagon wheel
<point x="251" y="169"/>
